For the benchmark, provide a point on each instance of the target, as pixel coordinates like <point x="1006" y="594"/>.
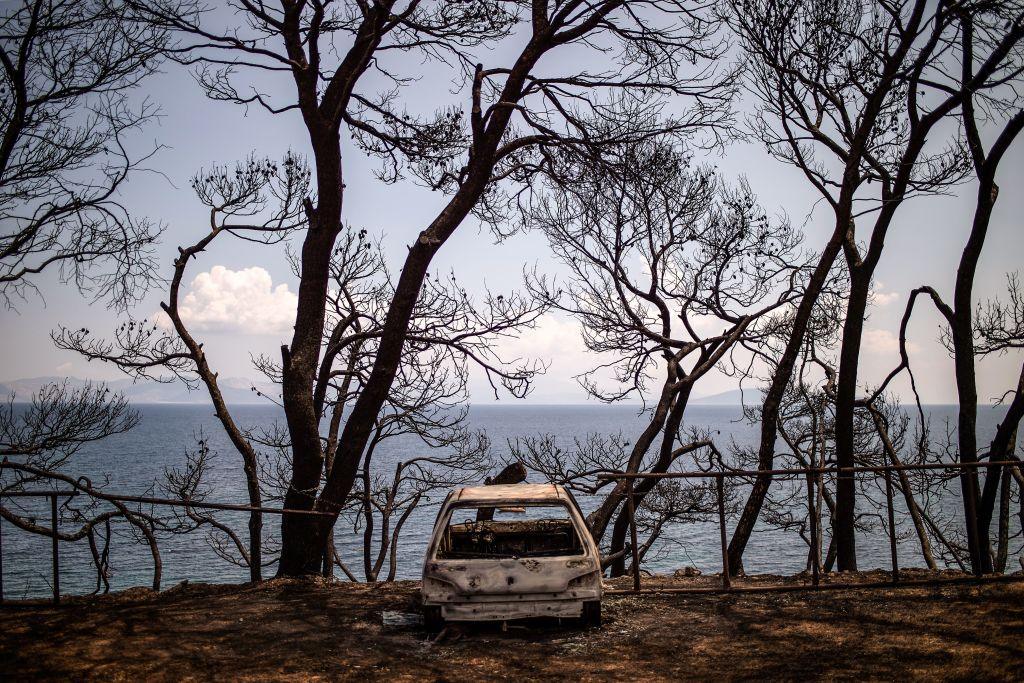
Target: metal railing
<point x="53" y="495"/>
<point x="813" y="476"/>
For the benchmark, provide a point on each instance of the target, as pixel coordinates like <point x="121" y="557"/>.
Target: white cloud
<point x="555" y="339"/>
<point x="64" y="368"/>
<point x="161" y="320"/>
<point x="703" y="325"/>
<point x="883" y="342"/>
<point x="880" y="341"/>
<point x="880" y="297"/>
<point x="238" y="301"/>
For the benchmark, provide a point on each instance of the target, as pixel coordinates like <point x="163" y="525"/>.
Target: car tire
<point x="592" y="613"/>
<point x="433" y="622"/>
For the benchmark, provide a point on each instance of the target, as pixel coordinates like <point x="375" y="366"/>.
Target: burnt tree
<point x="68" y="70"/>
<point x="851" y="94"/>
<point x="483" y="155"/>
<point x="670" y="269"/>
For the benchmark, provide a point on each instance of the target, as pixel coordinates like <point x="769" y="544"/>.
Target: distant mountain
<point x="733" y="397"/>
<point x="236" y="390"/>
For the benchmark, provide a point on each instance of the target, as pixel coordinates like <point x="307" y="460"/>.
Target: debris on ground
<point x="399" y="621"/>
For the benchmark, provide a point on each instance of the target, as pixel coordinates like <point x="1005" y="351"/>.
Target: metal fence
<point x="811" y="474"/>
<point x="813" y="477"/>
<point x="53" y="495"/>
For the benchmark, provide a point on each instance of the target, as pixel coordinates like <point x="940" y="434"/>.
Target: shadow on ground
<point x="308" y="630"/>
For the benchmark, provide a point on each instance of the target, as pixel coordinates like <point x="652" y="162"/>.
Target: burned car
<point x="511" y="552"/>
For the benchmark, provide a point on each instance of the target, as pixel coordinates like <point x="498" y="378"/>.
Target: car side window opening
<point x="514" y="531"/>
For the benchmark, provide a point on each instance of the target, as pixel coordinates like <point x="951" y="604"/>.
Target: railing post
<point x="720" y="484"/>
<point x="56" y="556"/>
<point x="812" y="514"/>
<point x="1" y="560"/>
<point x="892" y="520"/>
<point x="632" y="535"/>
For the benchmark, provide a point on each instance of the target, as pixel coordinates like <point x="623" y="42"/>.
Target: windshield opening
<point x="512" y="531"/>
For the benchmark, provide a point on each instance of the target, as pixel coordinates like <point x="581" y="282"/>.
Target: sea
<point x="134" y="463"/>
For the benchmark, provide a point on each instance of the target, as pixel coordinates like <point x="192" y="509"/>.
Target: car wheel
<point x="433" y="622"/>
<point x="592" y="613"/>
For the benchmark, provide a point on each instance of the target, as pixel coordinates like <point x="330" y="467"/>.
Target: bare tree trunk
<point x="644" y="486"/>
<point x="977" y="515"/>
<point x="330" y="551"/>
<point x="962" y="335"/>
<point x="393" y="559"/>
<point x="908" y="494"/>
<point x="299" y="360"/>
<point x="599" y="519"/>
<point x="1004" y="524"/>
<point x="385" y="546"/>
<point x="368" y="521"/>
<point x="344" y="568"/>
<point x="843" y="529"/>
<point x="867" y="126"/>
<point x="513" y="473"/>
<point x="773" y="400"/>
<point x="210" y="380"/>
<point x="303" y="539"/>
<point x="830" y="556"/>
<point x="915" y="515"/>
<point x="1002" y="448"/>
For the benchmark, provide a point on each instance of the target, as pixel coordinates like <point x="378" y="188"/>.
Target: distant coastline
<point x="236" y="390"/>
<point x="240" y="391"/>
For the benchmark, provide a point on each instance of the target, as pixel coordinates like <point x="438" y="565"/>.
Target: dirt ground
<point x="311" y="630"/>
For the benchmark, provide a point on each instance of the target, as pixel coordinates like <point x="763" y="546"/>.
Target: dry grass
<point x="310" y="630"/>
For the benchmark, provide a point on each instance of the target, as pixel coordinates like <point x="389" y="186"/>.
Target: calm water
<point x="133" y="462"/>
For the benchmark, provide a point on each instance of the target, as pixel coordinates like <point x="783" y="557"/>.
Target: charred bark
<point x="641" y="488"/>
<point x="1001" y="448"/>
<point x="773" y="401"/>
<point x="512" y="473"/>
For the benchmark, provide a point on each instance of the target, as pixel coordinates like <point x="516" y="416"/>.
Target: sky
<point x="241" y="297"/>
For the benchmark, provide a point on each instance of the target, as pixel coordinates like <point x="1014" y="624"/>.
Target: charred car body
<point x="511" y="552"/>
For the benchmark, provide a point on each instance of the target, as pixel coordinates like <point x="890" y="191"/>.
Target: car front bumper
<point x="502" y="611"/>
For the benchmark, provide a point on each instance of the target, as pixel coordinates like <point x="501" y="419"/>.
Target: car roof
<point x="511" y="493"/>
